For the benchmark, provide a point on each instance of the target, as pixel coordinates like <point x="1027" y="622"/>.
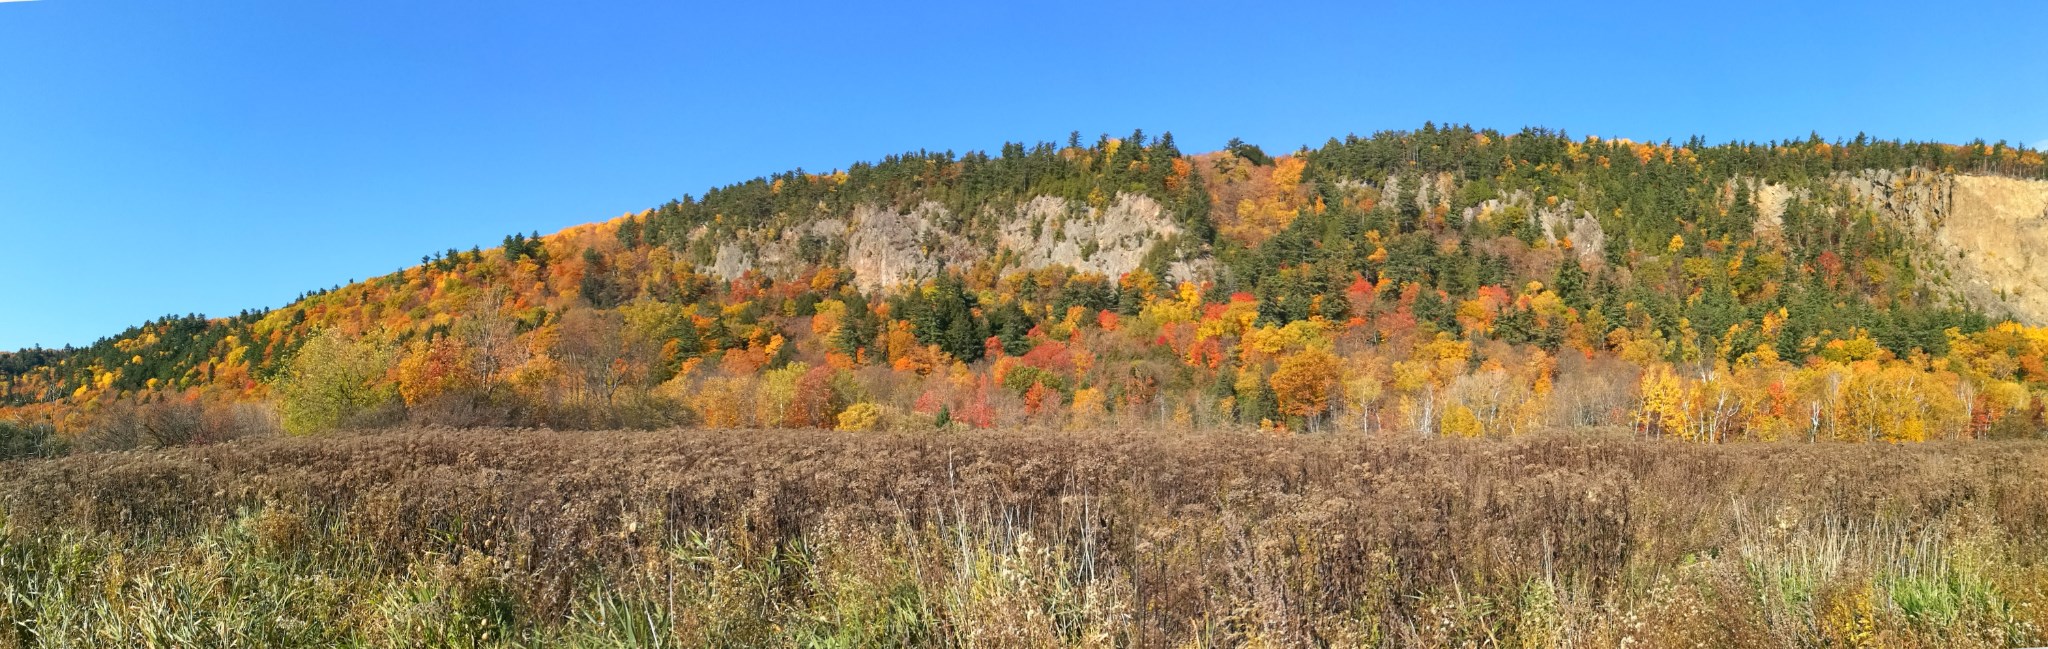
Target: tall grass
<point x="488" y="538"/>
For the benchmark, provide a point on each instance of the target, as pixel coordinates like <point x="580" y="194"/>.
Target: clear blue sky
<point x="208" y="156"/>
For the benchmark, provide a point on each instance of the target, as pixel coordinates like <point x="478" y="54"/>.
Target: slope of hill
<point x="1443" y="281"/>
<point x="1987" y="230"/>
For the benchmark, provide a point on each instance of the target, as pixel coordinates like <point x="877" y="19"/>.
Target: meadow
<point x="744" y="538"/>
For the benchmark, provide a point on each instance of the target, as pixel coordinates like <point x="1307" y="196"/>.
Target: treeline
<point x="169" y="352"/>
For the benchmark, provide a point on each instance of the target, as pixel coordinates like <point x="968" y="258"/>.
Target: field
<point x="748" y="538"/>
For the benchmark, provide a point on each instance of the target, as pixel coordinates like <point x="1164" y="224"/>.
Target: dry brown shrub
<point x="1218" y="538"/>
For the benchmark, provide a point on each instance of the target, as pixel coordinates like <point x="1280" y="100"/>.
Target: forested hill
<point x="1446" y="281"/>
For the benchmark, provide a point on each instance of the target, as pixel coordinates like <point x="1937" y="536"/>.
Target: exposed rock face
<point x="1579" y="225"/>
<point x="730" y="261"/>
<point x="1991" y="233"/>
<point x="1429" y="190"/>
<point x="1050" y="231"/>
<point x="888" y="248"/>
<point x="772" y="255"/>
<point x="1770" y="200"/>
<point x="1561" y="221"/>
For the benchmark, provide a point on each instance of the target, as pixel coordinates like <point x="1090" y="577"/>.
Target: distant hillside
<point x="1441" y="281"/>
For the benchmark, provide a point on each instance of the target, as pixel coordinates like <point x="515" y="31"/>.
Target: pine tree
<point x="629" y="233"/>
<point x="1571" y="283"/>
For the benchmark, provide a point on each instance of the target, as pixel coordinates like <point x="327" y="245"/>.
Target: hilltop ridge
<point x="1402" y="281"/>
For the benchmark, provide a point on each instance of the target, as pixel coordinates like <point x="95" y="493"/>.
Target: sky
<point x="168" y="157"/>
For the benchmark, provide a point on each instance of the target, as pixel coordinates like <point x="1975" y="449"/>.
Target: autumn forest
<point x="1442" y="282"/>
<point x="1440" y="387"/>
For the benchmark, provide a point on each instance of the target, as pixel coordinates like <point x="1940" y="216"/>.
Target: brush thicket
<point x="750" y="538"/>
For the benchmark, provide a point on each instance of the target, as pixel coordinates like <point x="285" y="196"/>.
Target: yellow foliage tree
<point x="723" y="402"/>
<point x="1089" y="409"/>
<point x="333" y="381"/>
<point x="1304" y="382"/>
<point x="859" y="417"/>
<point x="1662" y="405"/>
<point x="1459" y="421"/>
<point x="430" y="370"/>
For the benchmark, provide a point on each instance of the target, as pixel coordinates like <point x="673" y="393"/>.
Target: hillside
<point x="1445" y="281"/>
